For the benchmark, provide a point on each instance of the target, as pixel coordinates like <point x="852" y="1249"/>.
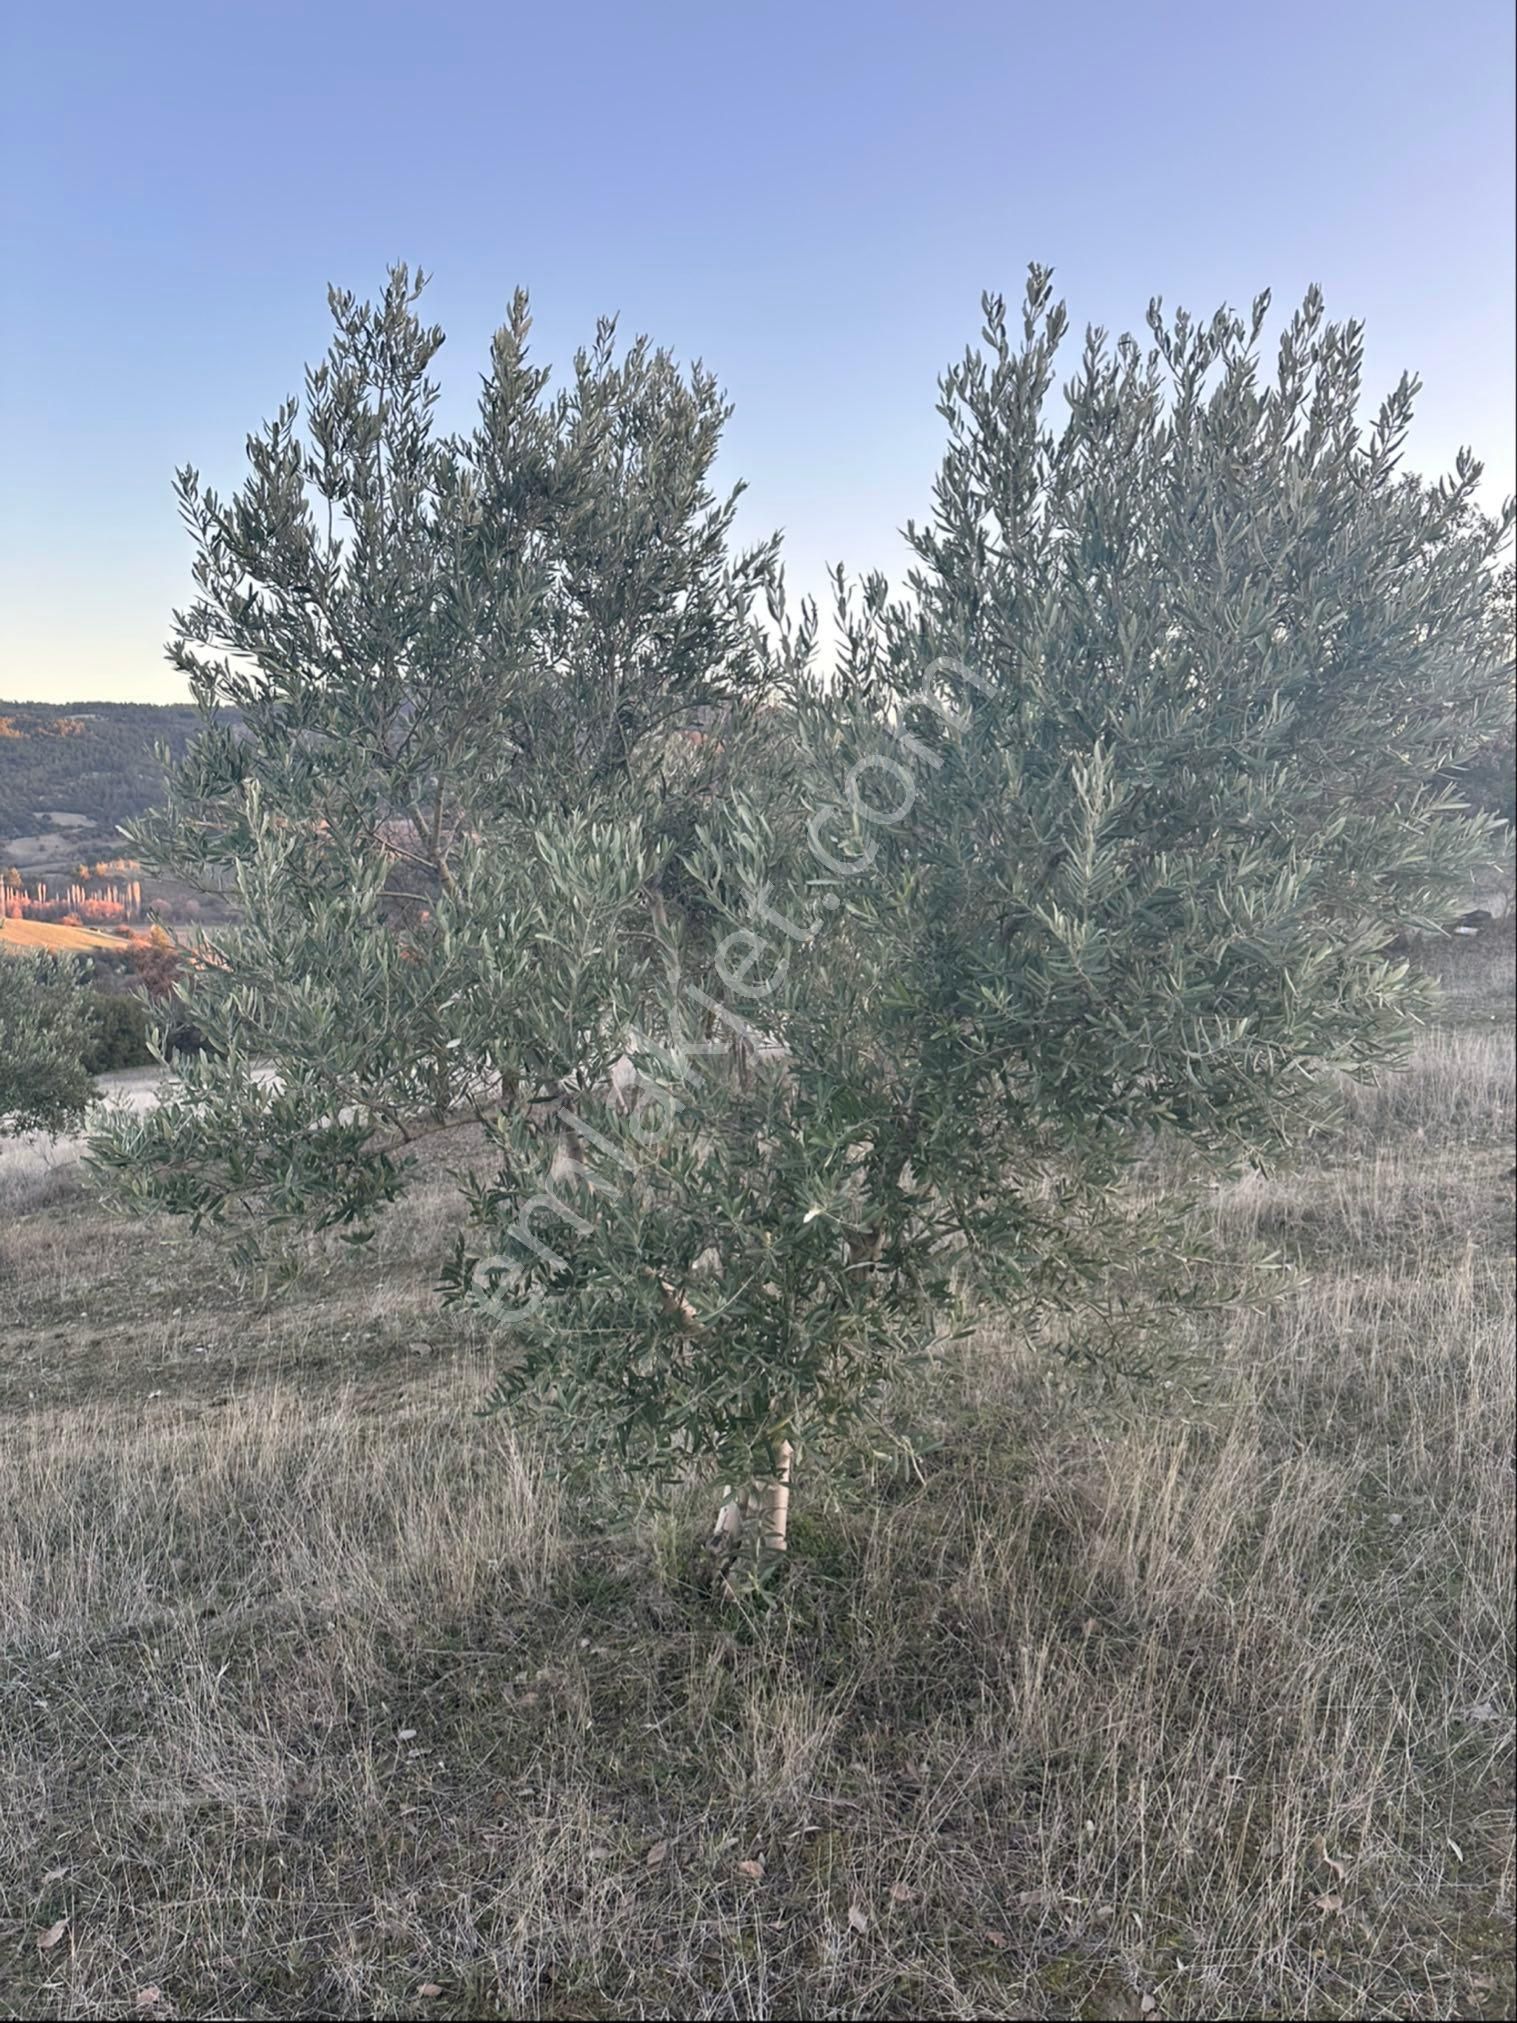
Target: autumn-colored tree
<point x="158" y="963"/>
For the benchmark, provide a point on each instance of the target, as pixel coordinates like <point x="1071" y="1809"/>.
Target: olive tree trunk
<point x="764" y="1502"/>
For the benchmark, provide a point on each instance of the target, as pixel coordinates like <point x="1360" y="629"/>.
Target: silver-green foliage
<point x="1099" y="834"/>
<point x="45" y="1029"/>
<point x="441" y="679"/>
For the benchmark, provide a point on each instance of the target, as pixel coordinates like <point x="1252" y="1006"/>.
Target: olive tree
<point x="46" y="1028"/>
<point x="1100" y="829"/>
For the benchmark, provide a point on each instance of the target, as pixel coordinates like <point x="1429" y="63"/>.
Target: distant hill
<point x="72" y="771"/>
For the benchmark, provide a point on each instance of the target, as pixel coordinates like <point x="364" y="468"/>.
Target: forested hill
<point x="95" y="760"/>
<point x="98" y="761"/>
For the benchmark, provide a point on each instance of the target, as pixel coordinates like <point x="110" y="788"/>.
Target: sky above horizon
<point x="811" y="198"/>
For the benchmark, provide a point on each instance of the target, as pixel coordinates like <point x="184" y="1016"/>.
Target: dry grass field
<point x="34" y="937"/>
<point x="317" y="1699"/>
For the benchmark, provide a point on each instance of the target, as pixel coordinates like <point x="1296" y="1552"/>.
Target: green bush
<point x="118" y="1038"/>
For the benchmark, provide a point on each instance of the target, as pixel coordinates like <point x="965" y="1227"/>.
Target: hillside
<point x="70" y="773"/>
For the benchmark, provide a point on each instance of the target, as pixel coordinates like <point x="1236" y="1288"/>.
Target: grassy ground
<point x="316" y="1700"/>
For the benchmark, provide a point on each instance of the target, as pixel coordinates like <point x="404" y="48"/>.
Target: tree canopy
<point x="46" y="1028"/>
<point x="1098" y="829"/>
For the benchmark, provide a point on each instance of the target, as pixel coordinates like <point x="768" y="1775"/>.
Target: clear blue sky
<point x="811" y="197"/>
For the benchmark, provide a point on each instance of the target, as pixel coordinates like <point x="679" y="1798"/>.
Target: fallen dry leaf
<point x="755" y="1869"/>
<point x="657" y="1853"/>
<point x="858" y="1918"/>
<point x="405" y="1735"/>
<point x="1319" y="1849"/>
<point x="429" y="1989"/>
<point x="48" y="1939"/>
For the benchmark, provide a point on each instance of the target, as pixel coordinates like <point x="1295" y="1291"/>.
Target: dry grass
<point x="315" y="1695"/>
<point x="26" y="937"/>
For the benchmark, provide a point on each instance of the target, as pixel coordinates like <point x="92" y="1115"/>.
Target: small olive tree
<point x="1100" y="831"/>
<point x="46" y="1029"/>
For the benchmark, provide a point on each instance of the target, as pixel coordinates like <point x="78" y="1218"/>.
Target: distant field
<point x="39" y="851"/>
<point x="25" y="937"/>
